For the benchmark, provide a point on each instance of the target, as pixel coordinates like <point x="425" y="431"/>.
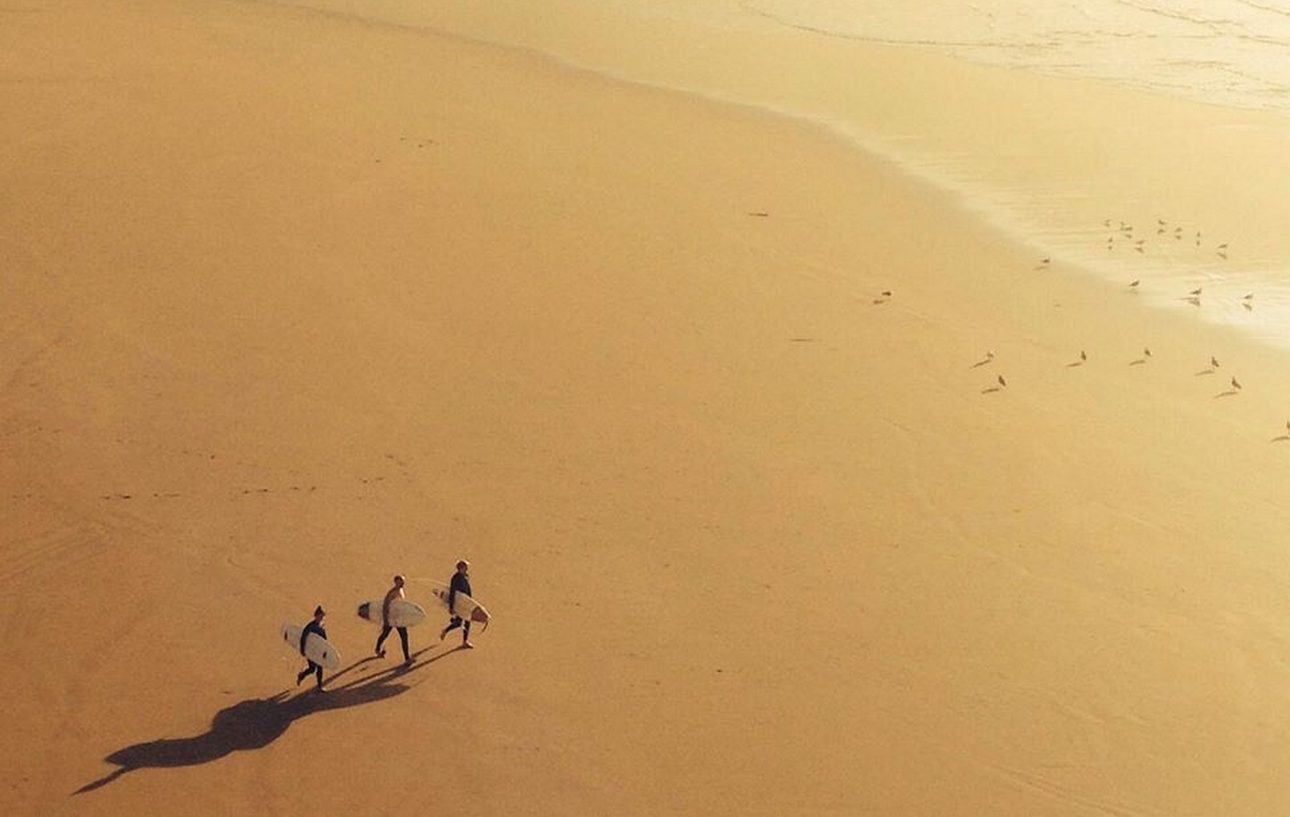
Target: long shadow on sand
<point x="257" y="722"/>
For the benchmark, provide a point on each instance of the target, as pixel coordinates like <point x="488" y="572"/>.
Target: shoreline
<point x="1060" y="174"/>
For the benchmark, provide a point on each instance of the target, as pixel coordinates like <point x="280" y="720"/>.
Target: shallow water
<point x="1230" y="52"/>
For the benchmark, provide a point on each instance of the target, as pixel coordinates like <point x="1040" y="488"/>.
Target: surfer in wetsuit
<point x="314" y="626"/>
<point x="460" y="583"/>
<point x="395" y="592"/>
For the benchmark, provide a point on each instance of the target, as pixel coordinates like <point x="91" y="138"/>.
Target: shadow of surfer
<point x="257" y="722"/>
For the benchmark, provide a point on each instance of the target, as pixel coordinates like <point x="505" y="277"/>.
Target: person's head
<point x="463" y="566"/>
<point x="319" y="612"/>
<point x="398" y="580"/>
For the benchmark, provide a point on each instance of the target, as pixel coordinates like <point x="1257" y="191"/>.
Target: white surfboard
<point x="317" y="649"/>
<point x="403" y="613"/>
<point x="466" y="607"/>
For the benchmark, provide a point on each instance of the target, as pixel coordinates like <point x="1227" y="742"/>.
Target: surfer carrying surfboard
<point x="460" y="583"/>
<point x="314" y="626"/>
<point x="395" y="592"/>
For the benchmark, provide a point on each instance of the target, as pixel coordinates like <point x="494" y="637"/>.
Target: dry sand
<point x="293" y="302"/>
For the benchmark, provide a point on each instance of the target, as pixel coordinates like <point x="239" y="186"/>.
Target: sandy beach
<point x="795" y="483"/>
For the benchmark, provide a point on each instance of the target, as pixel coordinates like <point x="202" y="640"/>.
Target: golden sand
<point x="295" y="302"/>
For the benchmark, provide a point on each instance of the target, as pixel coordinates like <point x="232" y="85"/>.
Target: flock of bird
<point x="1235" y="385"/>
<point x="1124" y="233"/>
<point x="1213" y="368"/>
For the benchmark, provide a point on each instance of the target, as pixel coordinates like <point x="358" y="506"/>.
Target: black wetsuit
<point x="459" y="584"/>
<point x="403" y="639"/>
<point x="311" y="627"/>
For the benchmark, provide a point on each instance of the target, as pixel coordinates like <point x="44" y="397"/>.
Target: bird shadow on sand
<point x="257" y="722"/>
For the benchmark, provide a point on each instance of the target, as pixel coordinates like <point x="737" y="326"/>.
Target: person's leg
<point x="318" y="674"/>
<point x="465" y="635"/>
<point x="403" y="637"/>
<point x="452" y="625"/>
<point x="385" y="632"/>
<point x="307" y="671"/>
